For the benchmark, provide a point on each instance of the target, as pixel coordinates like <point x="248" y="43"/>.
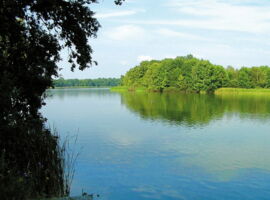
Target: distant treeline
<point x="99" y="82"/>
<point x="194" y="75"/>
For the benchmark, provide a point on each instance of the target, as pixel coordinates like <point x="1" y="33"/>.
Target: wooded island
<point x="191" y="74"/>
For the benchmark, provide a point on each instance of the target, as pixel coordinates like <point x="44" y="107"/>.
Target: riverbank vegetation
<point x="99" y="82"/>
<point x="33" y="165"/>
<point x="190" y="74"/>
<point x="243" y="91"/>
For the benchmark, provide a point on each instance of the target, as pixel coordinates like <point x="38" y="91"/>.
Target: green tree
<point x="194" y="75"/>
<point x="245" y="80"/>
<point x="154" y="78"/>
<point x="184" y="78"/>
<point x="232" y="77"/>
<point x="259" y="76"/>
<point x="218" y="78"/>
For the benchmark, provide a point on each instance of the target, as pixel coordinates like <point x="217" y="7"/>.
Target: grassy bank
<point x="140" y="89"/>
<point x="128" y="89"/>
<point x="242" y="91"/>
<point x="177" y="90"/>
<point x="144" y="89"/>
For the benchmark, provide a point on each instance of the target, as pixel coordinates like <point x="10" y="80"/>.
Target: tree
<point x="32" y="34"/>
<point x="232" y="77"/>
<point x="153" y="77"/>
<point x="218" y="78"/>
<point x="245" y="78"/>
<point x="259" y="76"/>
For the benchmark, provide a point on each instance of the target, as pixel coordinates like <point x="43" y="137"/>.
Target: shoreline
<point x="253" y="91"/>
<point x="219" y="91"/>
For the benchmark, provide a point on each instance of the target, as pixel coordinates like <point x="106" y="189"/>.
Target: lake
<point x="142" y="146"/>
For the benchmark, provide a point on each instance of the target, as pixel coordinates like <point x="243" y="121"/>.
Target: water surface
<point x="166" y="146"/>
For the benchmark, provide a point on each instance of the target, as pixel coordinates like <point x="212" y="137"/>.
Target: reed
<point x="253" y="91"/>
<point x="35" y="165"/>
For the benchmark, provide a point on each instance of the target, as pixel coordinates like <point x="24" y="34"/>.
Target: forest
<point x="99" y="82"/>
<point x="191" y="74"/>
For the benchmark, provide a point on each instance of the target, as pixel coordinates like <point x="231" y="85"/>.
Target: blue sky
<point x="226" y="32"/>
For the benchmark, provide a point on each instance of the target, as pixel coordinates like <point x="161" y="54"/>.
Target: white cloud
<point x="171" y="33"/>
<point x="116" y="14"/>
<point x="130" y="1"/>
<point x="124" y="62"/>
<point x="198" y="56"/>
<point x="144" y="58"/>
<point x="216" y="14"/>
<point x="126" y="32"/>
<point x="170" y="56"/>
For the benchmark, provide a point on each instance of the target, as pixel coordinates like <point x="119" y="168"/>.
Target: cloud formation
<point x="223" y="15"/>
<point x="126" y="32"/>
<point x="144" y="58"/>
<point x="176" y="34"/>
<point x="115" y="14"/>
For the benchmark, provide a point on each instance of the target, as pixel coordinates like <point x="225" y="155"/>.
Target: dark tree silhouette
<point x="32" y="34"/>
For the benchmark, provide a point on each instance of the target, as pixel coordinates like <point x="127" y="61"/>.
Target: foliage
<point x="190" y="74"/>
<point x="99" y="82"/>
<point x="32" y="34"/>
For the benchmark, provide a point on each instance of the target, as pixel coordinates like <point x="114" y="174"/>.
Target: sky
<point x="225" y="32"/>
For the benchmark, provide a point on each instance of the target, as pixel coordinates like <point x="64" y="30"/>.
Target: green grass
<point x="144" y="89"/>
<point x="125" y="89"/>
<point x="119" y="89"/>
<point x="220" y="91"/>
<point x="242" y="91"/>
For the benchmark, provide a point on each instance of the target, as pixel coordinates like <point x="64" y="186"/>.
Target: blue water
<point x="165" y="146"/>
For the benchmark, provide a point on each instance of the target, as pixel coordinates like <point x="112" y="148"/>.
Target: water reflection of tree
<point x="195" y="109"/>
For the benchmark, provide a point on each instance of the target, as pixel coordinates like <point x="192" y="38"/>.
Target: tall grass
<point x="243" y="91"/>
<point x="69" y="157"/>
<point x="35" y="164"/>
<point x="178" y="90"/>
<point x="130" y="89"/>
<point x="119" y="89"/>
